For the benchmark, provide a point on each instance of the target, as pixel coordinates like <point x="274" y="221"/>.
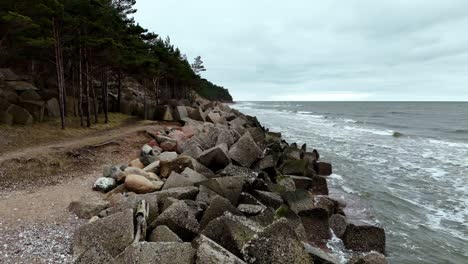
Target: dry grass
<point x="12" y="137"/>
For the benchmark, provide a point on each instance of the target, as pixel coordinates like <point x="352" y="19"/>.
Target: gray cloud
<point x="352" y="50"/>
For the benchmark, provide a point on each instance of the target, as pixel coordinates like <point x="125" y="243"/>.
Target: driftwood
<point x="141" y="218"/>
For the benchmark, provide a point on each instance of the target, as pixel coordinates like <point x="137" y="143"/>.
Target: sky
<point x="315" y="50"/>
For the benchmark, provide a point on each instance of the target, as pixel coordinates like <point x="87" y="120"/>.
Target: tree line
<point x="90" y="42"/>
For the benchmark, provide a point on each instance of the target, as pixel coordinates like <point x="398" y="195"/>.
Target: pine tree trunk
<point x="105" y="95"/>
<point x="95" y="102"/>
<point x="80" y="88"/>
<point x="119" y="90"/>
<point x="59" y="68"/>
<point x="145" y="117"/>
<point x="75" y="105"/>
<point x="88" y="103"/>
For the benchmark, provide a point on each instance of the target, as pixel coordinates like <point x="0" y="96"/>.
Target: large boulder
<point x="122" y="203"/>
<point x="191" y="148"/>
<point x="363" y="237"/>
<point x="158" y="253"/>
<point x="276" y="244"/>
<point x="319" y="256"/>
<point x="197" y="114"/>
<point x="180" y="113"/>
<point x="188" y="177"/>
<point x="371" y="258"/>
<point x="245" y="151"/>
<point x="299" y="200"/>
<point x="225" y="136"/>
<point x="323" y="168"/>
<point x="209" y="252"/>
<point x="231" y="232"/>
<point x="217" y="207"/>
<point x="8" y="75"/>
<point x="104" y="184"/>
<point x="95" y="253"/>
<point x="163" y="113"/>
<point x="180" y="219"/>
<point x="294" y="167"/>
<point x="114" y="233"/>
<point x="20" y="85"/>
<point x="87" y="207"/>
<point x="180" y="193"/>
<point x="270" y="199"/>
<point x="30" y="95"/>
<point x="6" y="118"/>
<point x="338" y="224"/>
<point x="20" y="115"/>
<point x="215" y="158"/>
<point x="177" y="165"/>
<point x="162" y="233"/>
<point x="228" y="187"/>
<point x="213" y="117"/>
<point x="35" y="108"/>
<point x="140" y="184"/>
<point x="315" y="222"/>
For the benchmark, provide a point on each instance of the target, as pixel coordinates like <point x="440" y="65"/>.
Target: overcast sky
<point x="322" y="50"/>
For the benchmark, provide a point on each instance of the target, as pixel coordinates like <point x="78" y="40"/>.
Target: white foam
<point x="369" y="130"/>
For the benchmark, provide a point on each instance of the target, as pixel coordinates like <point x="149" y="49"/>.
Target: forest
<point x="88" y="44"/>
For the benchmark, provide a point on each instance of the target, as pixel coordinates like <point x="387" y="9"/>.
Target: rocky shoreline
<point x="219" y="189"/>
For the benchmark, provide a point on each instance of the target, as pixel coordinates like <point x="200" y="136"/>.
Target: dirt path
<point x="35" y="225"/>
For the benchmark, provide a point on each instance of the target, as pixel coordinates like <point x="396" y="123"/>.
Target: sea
<point x="406" y="163"/>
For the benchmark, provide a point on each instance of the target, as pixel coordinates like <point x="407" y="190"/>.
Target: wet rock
<point x="158" y="252"/>
<point x="294" y="167"/>
<point x="371" y="258"/>
<point x="228" y="187"/>
<point x="162" y="233"/>
<point x="315" y="222"/>
<point x="217" y="207"/>
<point x="114" y="233"/>
<point x="104" y="184"/>
<point x="245" y="151"/>
<point x="276" y="244"/>
<point x="180" y="219"/>
<point x="338" y="224"/>
<point x="302" y="182"/>
<point x="319" y="185"/>
<point x="209" y="252"/>
<point x="87" y="207"/>
<point x="270" y="199"/>
<point x="231" y="232"/>
<point x="362" y="237"/>
<point x="215" y="158"/>
<point x="324" y="168"/>
<point x="319" y="256"/>
<point x="140" y="184"/>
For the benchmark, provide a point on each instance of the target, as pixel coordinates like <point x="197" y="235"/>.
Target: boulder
<point x="238" y="122"/>
<point x="136" y="163"/>
<point x="215" y="158"/>
<point x="158" y="252"/>
<point x="207" y="138"/>
<point x="245" y="151"/>
<point x="112" y="172"/>
<point x="323" y="168"/>
<point x="213" y="118"/>
<point x="250" y="209"/>
<point x="319" y="256"/>
<point x="29" y="95"/>
<point x="371" y="258"/>
<point x="285" y="184"/>
<point x="35" y="108"/>
<point x="315" y="222"/>
<point x="152" y="167"/>
<point x="6" y="118"/>
<point x="299" y="200"/>
<point x="20" y="85"/>
<point x="209" y="252"/>
<point x="20" y="115"/>
<point x="362" y="237"/>
<point x="231" y="232"/>
<point x="217" y="207"/>
<point x="205" y="195"/>
<point x="234" y="170"/>
<point x="104" y="184"/>
<point x="53" y="107"/>
<point x="140" y="184"/>
<point x="189" y="177"/>
<point x="257" y="134"/>
<point x="192" y="149"/>
<point x="338" y="224"/>
<point x="180" y="193"/>
<point x="302" y="182"/>
<point x="276" y="244"/>
<point x="114" y="233"/>
<point x="177" y="165"/>
<point x="168" y="156"/>
<point x="8" y="75"/>
<point x="162" y="233"/>
<point x="294" y="167"/>
<point x="87" y="207"/>
<point x="197" y="114"/>
<point x="131" y="201"/>
<point x="319" y="185"/>
<point x="95" y="253"/>
<point x="4" y="104"/>
<point x="180" y="112"/>
<point x="268" y="162"/>
<point x="228" y="187"/>
<point x="180" y="219"/>
<point x="163" y="113"/>
<point x="270" y="199"/>
<point x="225" y="137"/>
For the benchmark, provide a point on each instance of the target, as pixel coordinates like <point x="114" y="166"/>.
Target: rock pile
<point x="220" y="189"/>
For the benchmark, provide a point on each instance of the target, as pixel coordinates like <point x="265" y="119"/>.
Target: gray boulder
<point x="131" y="201"/>
<point x="362" y="237"/>
<point x="180" y="193"/>
<point x="302" y="182"/>
<point x="231" y="232"/>
<point x="88" y="207"/>
<point x="294" y="167"/>
<point x="158" y="253"/>
<point x="245" y="151"/>
<point x="319" y="256"/>
<point x="180" y="219"/>
<point x="371" y="258"/>
<point x="217" y="207"/>
<point x="104" y="184"/>
<point x="315" y="222"/>
<point x="188" y="177"/>
<point x="6" y="118"/>
<point x="95" y="253"/>
<point x="228" y="187"/>
<point x="299" y="200"/>
<point x="209" y="252"/>
<point x="180" y="113"/>
<point x="53" y="107"/>
<point x="197" y="114"/>
<point x="215" y="158"/>
<point x="338" y="224"/>
<point x="30" y="95"/>
<point x="250" y="209"/>
<point x="270" y="199"/>
<point x="162" y="233"/>
<point x="114" y="233"/>
<point x="276" y="244"/>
